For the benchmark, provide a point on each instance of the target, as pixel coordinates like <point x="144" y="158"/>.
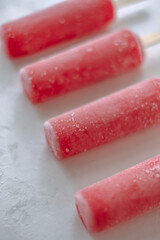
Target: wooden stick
<point x="151" y="39"/>
<point x="122" y="3"/>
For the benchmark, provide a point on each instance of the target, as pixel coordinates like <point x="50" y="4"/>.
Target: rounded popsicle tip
<point x="26" y="83"/>
<point x="7" y="38"/>
<point x="84" y="211"/>
<point x="136" y="46"/>
<point x="51" y="139"/>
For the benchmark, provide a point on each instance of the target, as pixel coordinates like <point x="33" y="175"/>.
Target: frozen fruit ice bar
<point x="109" y="118"/>
<point x="67" y="20"/>
<point x="120" y="197"/>
<point x="101" y="59"/>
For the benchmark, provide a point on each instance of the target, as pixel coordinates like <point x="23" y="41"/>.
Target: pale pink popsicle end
<point x="51" y="139"/>
<point x="84" y="211"/>
<point x="27" y="83"/>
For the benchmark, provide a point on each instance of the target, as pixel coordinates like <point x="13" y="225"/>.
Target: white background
<point x="36" y="190"/>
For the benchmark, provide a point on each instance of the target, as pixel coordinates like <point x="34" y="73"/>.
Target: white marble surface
<point x="36" y="190"/>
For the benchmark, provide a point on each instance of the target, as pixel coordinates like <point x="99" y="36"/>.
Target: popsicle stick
<point x="151" y="39"/>
<point x="122" y="3"/>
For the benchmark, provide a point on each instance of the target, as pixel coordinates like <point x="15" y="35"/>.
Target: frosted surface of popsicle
<point x="59" y="23"/>
<point x="117" y="115"/>
<point x="120" y="197"/>
<point x="98" y="60"/>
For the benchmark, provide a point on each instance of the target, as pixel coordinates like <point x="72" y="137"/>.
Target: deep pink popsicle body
<point x="64" y="21"/>
<point x="95" y="61"/>
<point x="114" y="116"/>
<point x="120" y="197"/>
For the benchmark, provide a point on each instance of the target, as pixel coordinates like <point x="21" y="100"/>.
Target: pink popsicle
<point x="120" y="197"/>
<point x="62" y="22"/>
<point x="109" y="118"/>
<point x="95" y="61"/>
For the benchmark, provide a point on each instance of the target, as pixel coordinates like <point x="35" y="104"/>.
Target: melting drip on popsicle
<point x="97" y="60"/>
<point x="59" y="23"/>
